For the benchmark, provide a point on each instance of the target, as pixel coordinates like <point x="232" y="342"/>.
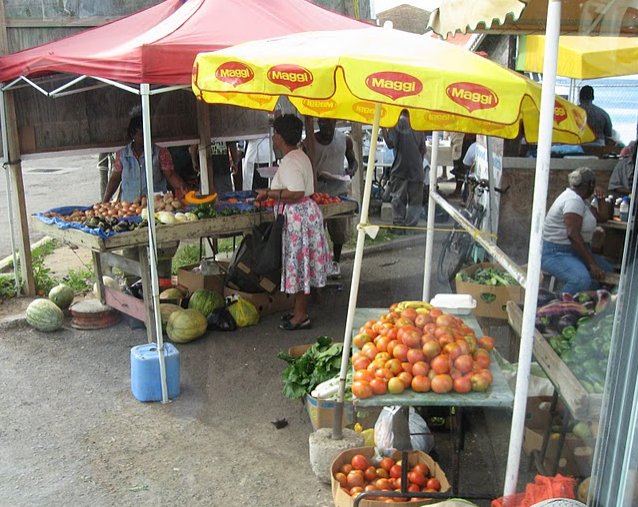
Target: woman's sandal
<point x="290" y="326"/>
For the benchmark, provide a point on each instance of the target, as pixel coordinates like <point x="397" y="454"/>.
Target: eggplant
<point x="603" y="300"/>
<point x="562" y="308"/>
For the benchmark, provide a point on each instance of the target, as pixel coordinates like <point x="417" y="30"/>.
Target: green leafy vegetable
<point x="488" y="276"/>
<point x="321" y="362"/>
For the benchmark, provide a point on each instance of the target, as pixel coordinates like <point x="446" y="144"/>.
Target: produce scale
<point x="234" y="215"/>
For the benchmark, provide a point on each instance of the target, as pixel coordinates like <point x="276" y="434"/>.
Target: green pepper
<point x="555" y="342"/>
<point x="581" y="352"/>
<point x="569" y="332"/>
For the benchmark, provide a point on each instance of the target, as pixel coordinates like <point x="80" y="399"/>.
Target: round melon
<point x="62" y="295"/>
<point x="184" y="326"/>
<point x="172" y="293"/>
<point x="206" y="301"/>
<point x="166" y="310"/>
<point x="44" y="315"/>
<point x="108" y="282"/>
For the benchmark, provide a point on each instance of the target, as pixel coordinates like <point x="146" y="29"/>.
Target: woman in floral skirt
<point x="305" y="252"/>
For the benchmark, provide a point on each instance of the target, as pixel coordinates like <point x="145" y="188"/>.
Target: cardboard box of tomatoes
<point x="340" y="493"/>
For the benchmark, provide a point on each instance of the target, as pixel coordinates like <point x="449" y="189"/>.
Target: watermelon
<point x="186" y="325"/>
<point x="166" y="310"/>
<point x="44" y="315"/>
<point x="62" y="295"/>
<point x="206" y="301"/>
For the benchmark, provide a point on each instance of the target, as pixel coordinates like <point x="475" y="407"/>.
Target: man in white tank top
<point x="327" y="149"/>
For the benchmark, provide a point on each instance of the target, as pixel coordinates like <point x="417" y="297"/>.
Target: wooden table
<point x="102" y="250"/>
<point x="579" y="403"/>
<point x="499" y="395"/>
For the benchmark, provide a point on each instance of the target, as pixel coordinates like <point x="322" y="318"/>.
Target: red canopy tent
<point x="156" y="46"/>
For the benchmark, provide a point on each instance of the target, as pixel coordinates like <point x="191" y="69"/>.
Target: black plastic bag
<point x="221" y="320"/>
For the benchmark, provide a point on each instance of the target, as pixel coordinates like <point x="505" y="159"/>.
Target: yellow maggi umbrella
<point x="370" y="75"/>
<point x="582" y="57"/>
<point x="343" y="74"/>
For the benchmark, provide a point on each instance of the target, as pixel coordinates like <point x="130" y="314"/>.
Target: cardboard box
<point x="192" y="278"/>
<point x="575" y="458"/>
<point x="265" y="303"/>
<point x="343" y="499"/>
<point x="321" y="412"/>
<point x="490" y="300"/>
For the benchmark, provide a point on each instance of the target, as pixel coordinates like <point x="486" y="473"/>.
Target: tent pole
<point x="152" y="245"/>
<point x="429" y="233"/>
<point x="337" y="430"/>
<point x="5" y="155"/>
<point x="535" y="244"/>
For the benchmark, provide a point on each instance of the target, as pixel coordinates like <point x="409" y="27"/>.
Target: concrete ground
<point x="72" y="433"/>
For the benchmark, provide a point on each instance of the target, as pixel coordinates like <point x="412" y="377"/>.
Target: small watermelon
<point x="205" y="301"/>
<point x="62" y="295"/>
<point x="44" y="315"/>
<point x="186" y="325"/>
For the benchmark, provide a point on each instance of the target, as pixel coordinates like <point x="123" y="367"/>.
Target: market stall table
<point x="102" y="250"/>
<point x="499" y="394"/>
<point x="579" y="403"/>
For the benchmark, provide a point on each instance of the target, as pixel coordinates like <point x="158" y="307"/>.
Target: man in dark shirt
<point x="406" y="173"/>
<point x="597" y="118"/>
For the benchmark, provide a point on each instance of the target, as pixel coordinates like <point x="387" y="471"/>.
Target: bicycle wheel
<point x="454" y="254"/>
<point x="455" y="251"/>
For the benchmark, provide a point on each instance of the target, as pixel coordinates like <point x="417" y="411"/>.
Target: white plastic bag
<point x="420" y="436"/>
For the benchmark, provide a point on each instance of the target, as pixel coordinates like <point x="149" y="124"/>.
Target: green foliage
<point x="7" y="287"/>
<point x="44" y="282"/>
<point x="80" y="280"/>
<point x="488" y="276"/>
<point x="186" y="255"/>
<point x="321" y="362"/>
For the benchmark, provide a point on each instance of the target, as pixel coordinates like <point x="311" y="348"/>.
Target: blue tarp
<point x="67" y="210"/>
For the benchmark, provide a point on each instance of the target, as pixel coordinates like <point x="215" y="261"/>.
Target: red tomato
<point x="360" y="339"/>
<point x="369" y="350"/>
<point x="482" y="358"/>
<point x="394" y="365"/>
<point x="487" y="342"/>
<point x="406" y="378"/>
<point x="355" y="478"/>
<point x="360" y="363"/>
<point x="382" y="473"/>
<point x="440" y="364"/>
<point x="362" y="375"/>
<point x="423" y="468"/>
<point x="431" y="349"/>
<point x="395" y="471"/>
<point x="386" y="463"/>
<point x="340" y="477"/>
<point x="479" y="382"/>
<point x="400" y="351"/>
<point x="379" y="386"/>
<point x="433" y="483"/>
<point x="421" y="320"/>
<point x="417" y="478"/>
<point x="442" y="383"/>
<point x="359" y="462"/>
<point x="412" y="338"/>
<point x="362" y="389"/>
<point x="370" y="474"/>
<point x="462" y="384"/>
<point x="420" y="384"/>
<point x="464" y="363"/>
<point x="420" y="368"/>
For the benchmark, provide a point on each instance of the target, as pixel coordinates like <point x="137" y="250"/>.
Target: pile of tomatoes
<point x="361" y="474"/>
<point x="266" y="203"/>
<point x="422" y="349"/>
<point x="323" y="198"/>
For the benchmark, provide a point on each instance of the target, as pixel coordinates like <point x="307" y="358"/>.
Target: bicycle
<point x="457" y="250"/>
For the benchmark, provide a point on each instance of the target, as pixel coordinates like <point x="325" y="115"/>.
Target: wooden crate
<point x="581" y="403"/>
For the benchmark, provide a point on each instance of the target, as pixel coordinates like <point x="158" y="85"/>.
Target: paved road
<point x="51" y="183"/>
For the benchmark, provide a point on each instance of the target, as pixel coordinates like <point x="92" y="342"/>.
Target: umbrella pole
<point x="429" y="233"/>
<point x="152" y="245"/>
<point x="535" y="244"/>
<point x="337" y="429"/>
